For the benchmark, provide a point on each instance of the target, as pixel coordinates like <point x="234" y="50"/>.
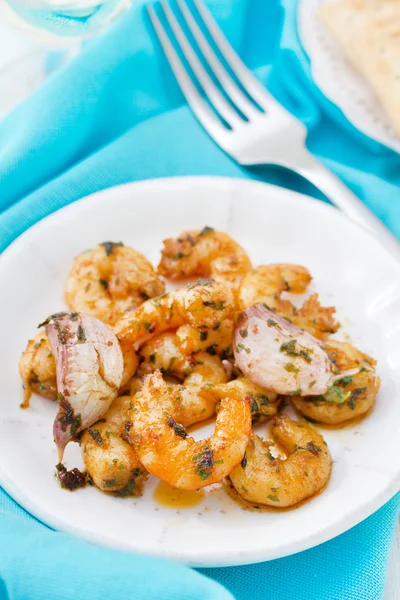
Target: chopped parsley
<point x="294" y="393"/>
<point x="81" y="334"/>
<point x="67" y="417"/>
<point x="203" y="281"/>
<point x="289" y="348"/>
<point x="243" y="462"/>
<point x="127" y="489"/>
<point x="203" y="336"/>
<point x="178" y="428"/>
<point x="212" y="350"/>
<point x="240" y="347"/>
<point x="263" y="399"/>
<point x="273" y="498"/>
<point x="206" y="230"/>
<point x="336" y="395"/>
<point x="344" y="381"/>
<point x="75" y="425"/>
<point x="354" y="395"/>
<point x="204" y="462"/>
<point x="203" y="474"/>
<point x="53" y="317"/>
<point x="70" y="480"/>
<point x="109" y="483"/>
<point x="96" y="435"/>
<point x="212" y="304"/>
<point x="227" y="353"/>
<point x="110" y="246"/>
<point x="310" y="447"/>
<point x="291" y="368"/>
<point x="253" y="403"/>
<point x="313" y="448"/>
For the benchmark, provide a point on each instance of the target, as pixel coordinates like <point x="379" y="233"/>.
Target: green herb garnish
<point x="81" y="334"/>
<point x="109" y="246"/>
<point x="206" y="230"/>
<point x="96" y="435"/>
<point x="178" y="428"/>
<point x="243" y="462"/>
<point x="291" y="368"/>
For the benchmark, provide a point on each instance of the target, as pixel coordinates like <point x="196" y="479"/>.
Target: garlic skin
<point x="89" y="369"/>
<point x="279" y="356"/>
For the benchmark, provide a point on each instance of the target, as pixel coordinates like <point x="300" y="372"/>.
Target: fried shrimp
<point x="348" y="397"/>
<point x="109" y="281"/>
<point x="194" y="400"/>
<point x="316" y="319"/>
<point x="37" y="368"/>
<point x="217" y="340"/>
<point x="202" y="304"/>
<point x="108" y="453"/>
<point x="165" y="449"/>
<point x="265" y="284"/>
<point x="263" y="403"/>
<point x="131" y="363"/>
<point x="205" y="253"/>
<point x="164" y="353"/>
<point x="263" y="479"/>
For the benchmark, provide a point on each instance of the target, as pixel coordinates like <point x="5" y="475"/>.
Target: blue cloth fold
<point x="115" y="115"/>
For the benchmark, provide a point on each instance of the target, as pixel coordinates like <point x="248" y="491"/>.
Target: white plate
<point x="350" y="270"/>
<point x="339" y="81"/>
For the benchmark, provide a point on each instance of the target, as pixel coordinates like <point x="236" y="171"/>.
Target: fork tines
<point x="235" y="96"/>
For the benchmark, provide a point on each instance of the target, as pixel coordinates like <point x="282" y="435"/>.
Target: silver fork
<point x="252" y="135"/>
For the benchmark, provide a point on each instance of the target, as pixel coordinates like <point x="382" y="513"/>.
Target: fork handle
<point x="342" y="197"/>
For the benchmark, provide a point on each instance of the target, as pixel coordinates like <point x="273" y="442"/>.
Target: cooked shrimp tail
<point x="194" y="400"/>
<point x="264" y="479"/>
<point x="205" y="253"/>
<point x="265" y="285"/>
<point x="108" y="452"/>
<point x="111" y="280"/>
<point x="165" y="449"/>
<point x="352" y="391"/>
<point x="89" y="366"/>
<point x="38" y="368"/>
<point x="203" y="304"/>
<point x="263" y="403"/>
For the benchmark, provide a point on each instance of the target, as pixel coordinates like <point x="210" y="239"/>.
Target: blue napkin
<point x="116" y="115"/>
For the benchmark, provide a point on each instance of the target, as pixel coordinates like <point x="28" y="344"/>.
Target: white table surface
<point x="19" y="78"/>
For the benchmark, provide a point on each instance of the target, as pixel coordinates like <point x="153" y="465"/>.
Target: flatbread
<point x="368" y="32"/>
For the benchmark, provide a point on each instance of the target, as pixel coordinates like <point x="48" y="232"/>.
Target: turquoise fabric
<point x="115" y="115"/>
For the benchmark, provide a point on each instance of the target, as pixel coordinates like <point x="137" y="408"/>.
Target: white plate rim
<point x="209" y="558"/>
<point x="322" y="81"/>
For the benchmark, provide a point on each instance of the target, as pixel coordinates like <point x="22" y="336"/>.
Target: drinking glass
<point x="66" y="20"/>
<point x="39" y="36"/>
